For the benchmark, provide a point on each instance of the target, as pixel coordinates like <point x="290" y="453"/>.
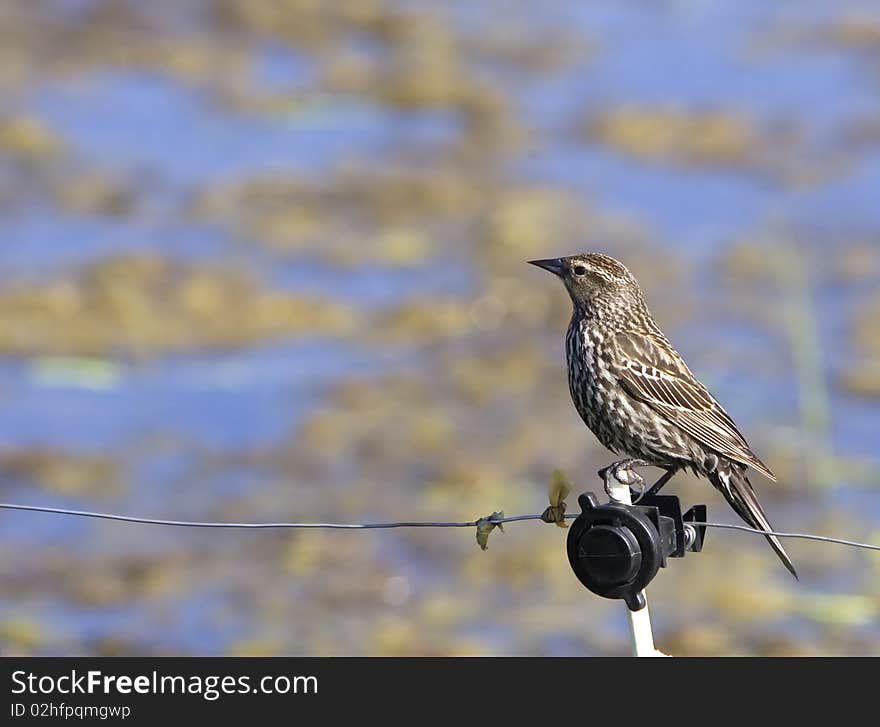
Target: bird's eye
<point x="579" y="270"/>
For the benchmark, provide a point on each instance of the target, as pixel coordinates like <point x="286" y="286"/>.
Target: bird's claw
<point x="624" y="474"/>
<point x="639" y="493"/>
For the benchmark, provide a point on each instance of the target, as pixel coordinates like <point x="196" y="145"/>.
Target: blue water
<point x="144" y="126"/>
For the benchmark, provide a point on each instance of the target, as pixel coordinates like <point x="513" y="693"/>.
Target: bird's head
<point x="594" y="280"/>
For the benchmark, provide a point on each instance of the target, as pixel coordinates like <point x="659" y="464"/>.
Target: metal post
<point x="639" y="621"/>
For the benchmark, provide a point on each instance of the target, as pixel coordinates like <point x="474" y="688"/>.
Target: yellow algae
<point x="76" y="371"/>
<point x="697" y="640"/>
<point x="28" y="137"/>
<point x="425" y="320"/>
<point x="852" y="31"/>
<point x="94" y="193"/>
<point x="256" y="646"/>
<point x="862" y="377"/>
<point x="677" y="135"/>
<point x="530" y="219"/>
<point x="866" y="327"/>
<point x="147" y="305"/>
<point x="20" y="635"/>
<point x="61" y="472"/>
<point x="835" y="608"/>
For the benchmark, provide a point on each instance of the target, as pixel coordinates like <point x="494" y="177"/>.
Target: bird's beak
<point x="553" y="265"/>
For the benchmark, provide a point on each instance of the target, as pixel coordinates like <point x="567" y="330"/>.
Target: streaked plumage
<point x="637" y="395"/>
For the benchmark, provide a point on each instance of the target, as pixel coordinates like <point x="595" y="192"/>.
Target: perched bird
<point x="637" y="395"/>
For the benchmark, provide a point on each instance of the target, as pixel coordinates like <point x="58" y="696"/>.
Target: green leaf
<point x="559" y="490"/>
<point x="485" y="525"/>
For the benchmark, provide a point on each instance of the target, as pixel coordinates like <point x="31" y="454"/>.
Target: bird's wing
<point x="653" y="372"/>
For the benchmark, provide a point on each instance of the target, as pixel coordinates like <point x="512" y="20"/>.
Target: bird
<point x="634" y="391"/>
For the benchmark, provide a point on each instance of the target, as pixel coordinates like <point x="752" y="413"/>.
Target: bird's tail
<point x="730" y="478"/>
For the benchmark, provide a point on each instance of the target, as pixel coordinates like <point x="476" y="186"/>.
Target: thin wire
<point x="385" y="526"/>
<point x="259" y="526"/>
<point x="804" y="536"/>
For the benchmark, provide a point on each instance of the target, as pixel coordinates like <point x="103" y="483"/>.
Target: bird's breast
<point x="589" y="375"/>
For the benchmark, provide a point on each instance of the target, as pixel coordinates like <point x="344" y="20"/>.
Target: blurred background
<point x="265" y="260"/>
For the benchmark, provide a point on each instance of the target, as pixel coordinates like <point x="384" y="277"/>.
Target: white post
<point x="639" y="621"/>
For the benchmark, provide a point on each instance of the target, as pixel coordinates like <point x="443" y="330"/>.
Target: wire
<point x="804" y="536"/>
<point x="491" y="519"/>
<point x="260" y="526"/>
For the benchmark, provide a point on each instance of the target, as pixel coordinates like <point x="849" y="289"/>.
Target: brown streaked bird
<point x="637" y="395"/>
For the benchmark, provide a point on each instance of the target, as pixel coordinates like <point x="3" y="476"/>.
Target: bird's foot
<point x="624" y="474"/>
